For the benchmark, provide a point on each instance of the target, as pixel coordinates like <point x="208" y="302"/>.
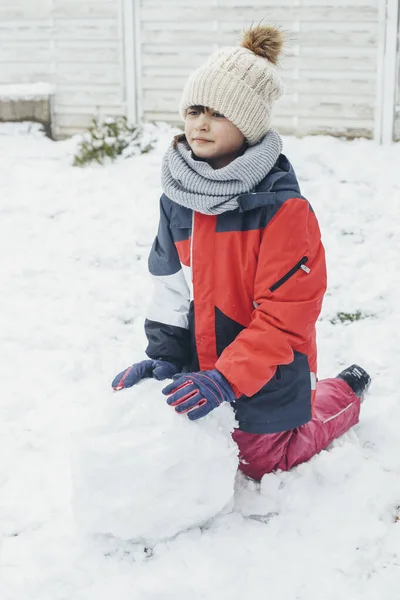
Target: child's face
<point x="212" y="136"/>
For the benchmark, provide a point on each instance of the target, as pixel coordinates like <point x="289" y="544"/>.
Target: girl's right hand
<point x="158" y="369"/>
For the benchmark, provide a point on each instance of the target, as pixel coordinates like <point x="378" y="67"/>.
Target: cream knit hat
<point x="241" y="83"/>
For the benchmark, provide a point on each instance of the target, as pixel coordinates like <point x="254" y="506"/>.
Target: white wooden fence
<point x="132" y="57"/>
<point x="75" y="44"/>
<point x="330" y="68"/>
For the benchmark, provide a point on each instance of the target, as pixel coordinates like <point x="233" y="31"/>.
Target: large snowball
<point x="146" y="473"/>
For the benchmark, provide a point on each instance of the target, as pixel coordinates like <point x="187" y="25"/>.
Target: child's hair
<point x="181" y="137"/>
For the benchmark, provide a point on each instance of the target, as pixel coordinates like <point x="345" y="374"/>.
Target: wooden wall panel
<point x="329" y="68"/>
<point x="75" y="44"/>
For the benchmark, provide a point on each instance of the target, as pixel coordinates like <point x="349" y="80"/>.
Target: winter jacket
<point x="241" y="292"/>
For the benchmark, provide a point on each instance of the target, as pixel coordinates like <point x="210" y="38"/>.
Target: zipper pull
<point x="305" y="268"/>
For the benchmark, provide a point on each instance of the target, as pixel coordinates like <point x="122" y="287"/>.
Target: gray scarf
<point x="196" y="185"/>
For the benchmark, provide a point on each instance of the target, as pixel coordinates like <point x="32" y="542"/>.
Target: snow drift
<point x="143" y="473"/>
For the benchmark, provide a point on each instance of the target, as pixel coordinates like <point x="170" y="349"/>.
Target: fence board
<point x="278" y="14"/>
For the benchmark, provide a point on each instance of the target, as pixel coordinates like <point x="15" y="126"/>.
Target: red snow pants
<point x="336" y="409"/>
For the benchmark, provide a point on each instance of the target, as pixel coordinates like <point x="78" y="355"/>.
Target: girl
<point x="239" y="272"/>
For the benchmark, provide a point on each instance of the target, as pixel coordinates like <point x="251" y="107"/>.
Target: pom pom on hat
<point x="265" y="41"/>
<point x="240" y="82"/>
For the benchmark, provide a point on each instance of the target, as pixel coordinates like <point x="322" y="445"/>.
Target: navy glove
<point x="198" y="393"/>
<point x="159" y="369"/>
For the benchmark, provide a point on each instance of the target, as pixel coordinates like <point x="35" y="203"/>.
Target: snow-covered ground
<point x="73" y="292"/>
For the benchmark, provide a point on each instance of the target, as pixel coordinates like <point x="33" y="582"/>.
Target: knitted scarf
<point x="196" y="185"/>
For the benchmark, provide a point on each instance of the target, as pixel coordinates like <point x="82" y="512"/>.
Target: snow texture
<point x="73" y="293"/>
<point x="143" y="473"/>
<point x="26" y="91"/>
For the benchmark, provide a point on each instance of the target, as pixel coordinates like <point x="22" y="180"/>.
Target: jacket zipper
<point x="300" y="265"/>
<point x="191" y="249"/>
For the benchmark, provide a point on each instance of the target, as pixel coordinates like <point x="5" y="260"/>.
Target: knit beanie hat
<point x="241" y="82"/>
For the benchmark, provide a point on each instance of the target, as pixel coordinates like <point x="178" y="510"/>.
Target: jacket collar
<point x="281" y="178"/>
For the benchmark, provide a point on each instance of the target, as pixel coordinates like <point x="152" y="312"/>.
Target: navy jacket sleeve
<point x="167" y="319"/>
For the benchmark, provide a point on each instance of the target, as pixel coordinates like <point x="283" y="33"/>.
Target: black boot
<point x="357" y="378"/>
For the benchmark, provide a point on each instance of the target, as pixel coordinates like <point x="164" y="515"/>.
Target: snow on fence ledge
<point x="27" y="102"/>
<point x="26" y="91"/>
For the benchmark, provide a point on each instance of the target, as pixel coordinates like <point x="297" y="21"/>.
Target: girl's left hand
<point x="199" y="393"/>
